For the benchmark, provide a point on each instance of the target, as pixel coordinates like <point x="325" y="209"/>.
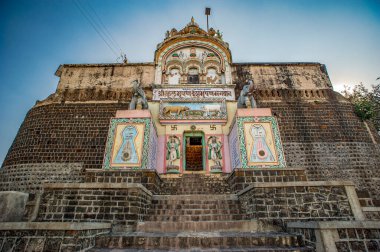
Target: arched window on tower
<point x="193" y="76"/>
<point x="212" y="76"/>
<point x="174" y="76"/>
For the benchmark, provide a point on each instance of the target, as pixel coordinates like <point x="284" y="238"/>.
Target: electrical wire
<point x="105" y="28"/>
<point x="93" y="24"/>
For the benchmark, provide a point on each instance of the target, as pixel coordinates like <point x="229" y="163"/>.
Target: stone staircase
<point x="197" y="212"/>
<point x="194" y="184"/>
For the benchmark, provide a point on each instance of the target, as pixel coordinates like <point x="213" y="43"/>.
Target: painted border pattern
<point x="110" y="141"/>
<point x="277" y="139"/>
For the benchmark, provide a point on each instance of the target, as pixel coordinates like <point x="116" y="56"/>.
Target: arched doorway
<point x="194" y="151"/>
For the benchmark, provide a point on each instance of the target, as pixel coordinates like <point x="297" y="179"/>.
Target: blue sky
<point x="37" y="36"/>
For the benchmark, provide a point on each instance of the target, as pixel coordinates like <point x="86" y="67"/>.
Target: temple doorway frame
<point x="186" y="136"/>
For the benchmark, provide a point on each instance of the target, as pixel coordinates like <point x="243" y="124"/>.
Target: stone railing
<point x="339" y="236"/>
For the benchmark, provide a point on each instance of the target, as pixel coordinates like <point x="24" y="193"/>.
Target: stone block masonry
<point x="286" y="201"/>
<point x="37" y="236"/>
<point x="30" y="177"/>
<point x="148" y="178"/>
<point x="240" y="178"/>
<point x="64" y="133"/>
<point x="342" y="236"/>
<point x="120" y="204"/>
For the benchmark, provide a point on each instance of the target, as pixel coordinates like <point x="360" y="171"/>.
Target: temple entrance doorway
<point x="194" y="149"/>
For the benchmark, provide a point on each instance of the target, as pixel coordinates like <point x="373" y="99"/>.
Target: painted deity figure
<point x="174" y="76"/>
<point x="127" y="153"/>
<point x="172" y="150"/>
<point x="215" y="151"/>
<point x="260" y="150"/>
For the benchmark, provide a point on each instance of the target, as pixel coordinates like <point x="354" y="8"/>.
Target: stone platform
<point x="192" y="212"/>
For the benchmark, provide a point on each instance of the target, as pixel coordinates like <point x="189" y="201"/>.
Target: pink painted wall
<point x="226" y="155"/>
<point x="253" y="112"/>
<point x="161" y="154"/>
<point x="133" y="113"/>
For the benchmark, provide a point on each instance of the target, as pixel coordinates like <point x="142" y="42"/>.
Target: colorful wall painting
<point x="193" y="109"/>
<point x="233" y="140"/>
<point x="128" y="143"/>
<point x="259" y="143"/>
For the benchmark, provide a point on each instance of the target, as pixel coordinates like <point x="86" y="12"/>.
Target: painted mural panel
<point x="153" y="144"/>
<point x="127" y="143"/>
<point x="193" y="109"/>
<point x="214" y="153"/>
<point x="173" y="154"/>
<point x="234" y="147"/>
<point x="260" y="142"/>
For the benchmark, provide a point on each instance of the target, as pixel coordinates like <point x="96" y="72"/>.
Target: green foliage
<point x="366" y="103"/>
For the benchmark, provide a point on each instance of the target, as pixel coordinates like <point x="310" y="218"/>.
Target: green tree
<point x="366" y="103"/>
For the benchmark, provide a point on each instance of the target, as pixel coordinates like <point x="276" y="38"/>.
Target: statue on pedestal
<point x="246" y="99"/>
<point x="215" y="153"/>
<point x="172" y="153"/>
<point x="138" y="100"/>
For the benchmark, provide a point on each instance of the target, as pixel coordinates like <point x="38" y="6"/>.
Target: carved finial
<point x="192" y="19"/>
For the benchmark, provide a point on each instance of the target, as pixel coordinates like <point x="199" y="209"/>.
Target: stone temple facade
<point x="192" y="152"/>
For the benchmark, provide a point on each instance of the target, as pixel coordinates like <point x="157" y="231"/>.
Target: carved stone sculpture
<point x="172" y="153"/>
<point x="139" y="100"/>
<point x="215" y="153"/>
<point x="245" y="99"/>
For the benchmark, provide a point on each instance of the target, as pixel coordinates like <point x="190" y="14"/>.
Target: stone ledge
<point x="295" y="184"/>
<point x="96" y="186"/>
<point x="196" y="197"/>
<point x="265" y="169"/>
<point x="335" y="224"/>
<point x="124" y="170"/>
<point x="371" y="209"/>
<point x="53" y="226"/>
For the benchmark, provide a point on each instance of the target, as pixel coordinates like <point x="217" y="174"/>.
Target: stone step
<point x="196" y="197"/>
<point x="264" y="249"/>
<point x="182" y="211"/>
<point x="205" y="226"/>
<point x="204" y="192"/>
<point x="199" y="240"/>
<point x="211" y="217"/>
<point x="178" y="205"/>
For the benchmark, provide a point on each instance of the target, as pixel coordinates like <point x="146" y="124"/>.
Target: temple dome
<point x="193" y="32"/>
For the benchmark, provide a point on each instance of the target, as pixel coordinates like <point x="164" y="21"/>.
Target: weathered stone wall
<point x="265" y="75"/>
<point x="242" y="178"/>
<point x="63" y="133"/>
<point x="30" y="177"/>
<point x="283" y="203"/>
<point x="148" y="178"/>
<point x="321" y="132"/>
<point x="282" y="75"/>
<point x="49" y="236"/>
<point x="116" y="76"/>
<point x="120" y="204"/>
